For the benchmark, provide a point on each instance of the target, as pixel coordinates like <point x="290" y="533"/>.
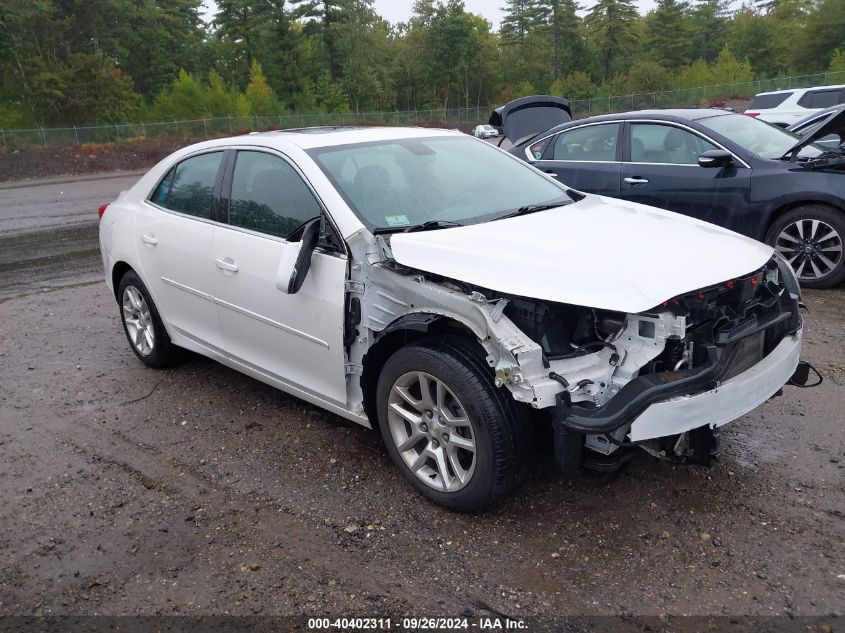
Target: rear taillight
<point x="102" y="210"/>
<point x="752" y="113"/>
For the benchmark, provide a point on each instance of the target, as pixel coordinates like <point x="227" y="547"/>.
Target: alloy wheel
<point x="432" y="432"/>
<point x="812" y="247"/>
<point x="138" y="320"/>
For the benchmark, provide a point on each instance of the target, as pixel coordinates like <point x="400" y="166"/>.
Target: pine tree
<point x="667" y="34"/>
<point x="610" y="25"/>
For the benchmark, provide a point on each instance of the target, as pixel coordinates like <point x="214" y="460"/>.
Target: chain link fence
<point x="701" y="96"/>
<point x="18" y="140"/>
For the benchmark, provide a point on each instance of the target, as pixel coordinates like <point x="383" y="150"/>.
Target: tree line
<point x="108" y="61"/>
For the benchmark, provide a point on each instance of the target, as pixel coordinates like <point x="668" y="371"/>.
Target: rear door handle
<point x="149" y="238"/>
<point x="226" y="264"/>
<point x="636" y="181"/>
<point x="551" y="173"/>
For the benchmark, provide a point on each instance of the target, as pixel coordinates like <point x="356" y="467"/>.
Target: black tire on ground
<point x="164" y="353"/>
<point x="501" y="427"/>
<point x="832" y="217"/>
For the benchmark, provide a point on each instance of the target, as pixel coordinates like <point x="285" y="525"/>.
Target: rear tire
<point x="142" y="324"/>
<point x="464" y="444"/>
<point x="811" y="238"/>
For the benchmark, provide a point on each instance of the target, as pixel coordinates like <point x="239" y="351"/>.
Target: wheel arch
<point x="786" y="207"/>
<point x="404" y="330"/>
<point x="119" y="269"/>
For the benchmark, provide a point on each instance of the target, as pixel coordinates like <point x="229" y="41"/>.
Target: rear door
<point x="586" y="158"/>
<point x="174" y="229"/>
<point x="296" y="339"/>
<point x="661" y="169"/>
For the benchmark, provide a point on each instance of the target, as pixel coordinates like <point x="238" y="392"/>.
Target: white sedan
<point x="485" y="131"/>
<point x="441" y="289"/>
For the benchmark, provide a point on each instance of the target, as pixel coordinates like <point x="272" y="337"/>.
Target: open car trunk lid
<point x="833" y="124"/>
<point x="528" y="116"/>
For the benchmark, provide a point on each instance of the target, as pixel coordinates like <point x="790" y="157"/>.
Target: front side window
<point x="654" y="143"/>
<point x="396" y="184"/>
<point x="269" y="196"/>
<point x="189" y="187"/>
<point x="757" y="137"/>
<point x="591" y="143"/>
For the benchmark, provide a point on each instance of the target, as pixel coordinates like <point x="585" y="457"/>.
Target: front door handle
<point x="551" y="173"/>
<point x="636" y="181"/>
<point x="227" y="264"/>
<point x="149" y="239"/>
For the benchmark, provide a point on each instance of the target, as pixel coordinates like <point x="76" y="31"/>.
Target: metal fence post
<point x="143" y="130"/>
<point x="230" y="122"/>
<point x="43" y="136"/>
<point x="204" y="128"/>
<point x="116" y="132"/>
<point x="3" y="136"/>
<point x="76" y="134"/>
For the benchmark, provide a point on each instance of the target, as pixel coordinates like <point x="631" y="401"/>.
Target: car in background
<point x="808" y="126"/>
<point x="786" y="107"/>
<point x="485" y="131"/>
<point x="433" y="286"/>
<point x="726" y="168"/>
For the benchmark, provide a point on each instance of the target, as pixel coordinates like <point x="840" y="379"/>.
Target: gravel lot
<point x="197" y="490"/>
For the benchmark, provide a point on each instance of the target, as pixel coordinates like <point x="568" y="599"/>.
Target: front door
<point x="663" y="171"/>
<point x="296" y="339"/>
<point x="586" y="158"/>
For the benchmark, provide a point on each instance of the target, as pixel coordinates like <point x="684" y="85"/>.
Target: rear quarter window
<point x="764" y="102"/>
<point x="822" y="98"/>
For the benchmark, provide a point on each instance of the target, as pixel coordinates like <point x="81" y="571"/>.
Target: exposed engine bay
<point x="593" y="371"/>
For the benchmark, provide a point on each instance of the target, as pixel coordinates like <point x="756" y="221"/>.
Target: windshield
<point x="396" y="184"/>
<point x="758" y="137"/>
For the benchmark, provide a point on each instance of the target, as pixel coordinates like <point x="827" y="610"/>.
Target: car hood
<point x="599" y="252"/>
<point x="833" y="124"/>
<point x="528" y="116"/>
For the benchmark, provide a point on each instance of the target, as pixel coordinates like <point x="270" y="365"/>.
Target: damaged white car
<point x="432" y="285"/>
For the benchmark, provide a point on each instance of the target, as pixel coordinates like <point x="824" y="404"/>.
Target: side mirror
<point x="296" y="258"/>
<point x="715" y="158"/>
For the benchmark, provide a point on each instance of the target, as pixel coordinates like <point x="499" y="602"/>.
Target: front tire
<point x="142" y="323"/>
<point x="811" y="238"/>
<point x="457" y="439"/>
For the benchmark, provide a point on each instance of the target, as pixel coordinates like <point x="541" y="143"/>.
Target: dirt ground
<point x="198" y="491"/>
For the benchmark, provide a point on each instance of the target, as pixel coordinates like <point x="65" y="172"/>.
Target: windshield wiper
<point x="533" y="208"/>
<point x="425" y="226"/>
<point x="431" y="224"/>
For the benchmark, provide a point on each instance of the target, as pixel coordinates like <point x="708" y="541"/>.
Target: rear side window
<point x="822" y="98"/>
<point x="269" y="196"/>
<point x="590" y="143"/>
<point x="189" y="187"/>
<point x="764" y="102"/>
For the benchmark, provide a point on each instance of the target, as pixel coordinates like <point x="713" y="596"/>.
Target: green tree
<point x="646" y="76"/>
<point x="708" y="21"/>
<point x="610" y="27"/>
<point x="260" y="96"/>
<point x="577" y="85"/>
<point x="837" y="62"/>
<point x="667" y="34"/>
<point x="729" y="70"/>
<point x="824" y="31"/>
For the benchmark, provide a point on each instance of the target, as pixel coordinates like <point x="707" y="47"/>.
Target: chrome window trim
<point x="266" y="150"/>
<point x="692" y="131"/>
<point x="629" y="121"/>
<point x="569" y="129"/>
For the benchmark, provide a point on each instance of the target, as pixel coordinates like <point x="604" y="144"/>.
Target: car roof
<point x="326" y="136"/>
<point x="674" y="114"/>
<point x="775" y="92"/>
